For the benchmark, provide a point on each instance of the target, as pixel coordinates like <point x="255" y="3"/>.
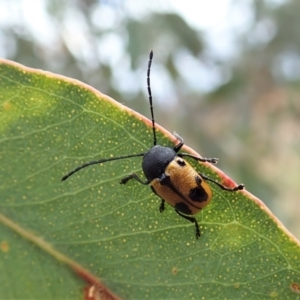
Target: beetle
<point x="169" y="175"/>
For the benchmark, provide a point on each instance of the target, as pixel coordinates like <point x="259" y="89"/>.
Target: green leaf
<point x="52" y="232"/>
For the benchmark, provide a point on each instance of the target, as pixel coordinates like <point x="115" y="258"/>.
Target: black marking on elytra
<point x="198" y="194"/>
<point x="180" y="162"/>
<point x="182" y="207"/>
<point x="165" y="180"/>
<point x="198" y="180"/>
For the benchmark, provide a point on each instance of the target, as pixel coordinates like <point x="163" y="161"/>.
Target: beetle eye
<point x="180" y="162"/>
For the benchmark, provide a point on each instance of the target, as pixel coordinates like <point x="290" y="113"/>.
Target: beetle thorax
<point x="156" y="160"/>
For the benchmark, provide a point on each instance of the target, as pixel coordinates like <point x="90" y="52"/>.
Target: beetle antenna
<point x="98" y="162"/>
<point x="150" y="96"/>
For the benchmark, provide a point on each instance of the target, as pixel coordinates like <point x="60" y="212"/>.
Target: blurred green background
<point x="225" y="76"/>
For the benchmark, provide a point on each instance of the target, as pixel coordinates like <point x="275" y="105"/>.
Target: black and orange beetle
<point x="170" y="177"/>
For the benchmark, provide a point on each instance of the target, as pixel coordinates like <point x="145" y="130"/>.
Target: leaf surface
<point x="48" y="126"/>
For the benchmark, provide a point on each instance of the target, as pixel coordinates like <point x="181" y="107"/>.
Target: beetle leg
<point x="162" y="206"/>
<point x="133" y="176"/>
<point x="238" y="187"/>
<point x="180" y="139"/>
<point x="191" y="219"/>
<point x="203" y="159"/>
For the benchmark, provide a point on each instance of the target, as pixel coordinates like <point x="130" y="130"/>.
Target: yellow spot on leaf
<point x="4" y="246"/>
